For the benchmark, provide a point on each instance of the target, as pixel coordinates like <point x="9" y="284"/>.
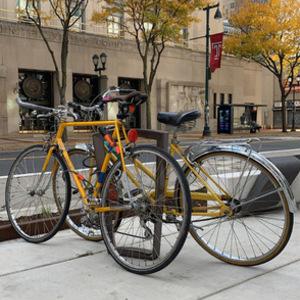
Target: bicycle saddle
<point x="176" y="119"/>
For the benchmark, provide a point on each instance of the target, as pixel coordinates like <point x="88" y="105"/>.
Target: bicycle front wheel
<point x="257" y="223"/>
<point x="37" y="200"/>
<point x="146" y="225"/>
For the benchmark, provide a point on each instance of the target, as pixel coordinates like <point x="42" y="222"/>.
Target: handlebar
<point x="133" y="97"/>
<point x="33" y="106"/>
<point x="127" y="103"/>
<point x="98" y="107"/>
<point x="62" y="113"/>
<point x="117" y="91"/>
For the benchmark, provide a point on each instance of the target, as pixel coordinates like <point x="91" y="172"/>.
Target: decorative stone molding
<point x="185" y="96"/>
<point x="19" y="30"/>
<point x="29" y="31"/>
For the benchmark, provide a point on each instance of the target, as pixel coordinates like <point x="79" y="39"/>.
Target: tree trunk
<point x="148" y="92"/>
<point x="148" y="112"/>
<point x="64" y="58"/>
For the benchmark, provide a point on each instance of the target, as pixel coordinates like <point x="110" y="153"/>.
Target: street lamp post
<point x="218" y="15"/>
<point x="103" y="57"/>
<point x="290" y="79"/>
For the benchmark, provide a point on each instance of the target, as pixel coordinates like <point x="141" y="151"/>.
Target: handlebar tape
<point x="33" y="106"/>
<point x="73" y="105"/>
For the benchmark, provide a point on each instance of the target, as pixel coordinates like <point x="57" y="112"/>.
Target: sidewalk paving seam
<point x="53" y="263"/>
<point x="248" y="279"/>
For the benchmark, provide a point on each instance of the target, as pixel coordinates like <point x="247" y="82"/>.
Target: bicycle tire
<point x="148" y="236"/>
<point x="37" y="202"/>
<point x="261" y="223"/>
<point x="85" y="224"/>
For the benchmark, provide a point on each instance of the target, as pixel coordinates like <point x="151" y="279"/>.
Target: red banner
<point x="216" y="42"/>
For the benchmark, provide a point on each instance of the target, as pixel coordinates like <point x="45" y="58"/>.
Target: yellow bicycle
<point x="242" y="206"/>
<point x="143" y="218"/>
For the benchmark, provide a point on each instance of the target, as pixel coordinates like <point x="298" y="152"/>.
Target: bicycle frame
<point x="211" y="195"/>
<point x="175" y="148"/>
<point x="59" y="144"/>
<point x="118" y="125"/>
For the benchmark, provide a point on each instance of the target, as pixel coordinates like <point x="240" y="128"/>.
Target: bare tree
<point x="68" y="13"/>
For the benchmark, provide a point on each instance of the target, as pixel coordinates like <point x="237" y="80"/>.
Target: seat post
<point x="174" y="138"/>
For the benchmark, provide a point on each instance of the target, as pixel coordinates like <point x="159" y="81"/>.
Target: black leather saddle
<point x="177" y="119"/>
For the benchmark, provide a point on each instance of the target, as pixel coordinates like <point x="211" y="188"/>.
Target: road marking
<point x="7" y="158"/>
<point x="283" y="151"/>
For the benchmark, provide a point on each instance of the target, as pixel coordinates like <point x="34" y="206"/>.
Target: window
<point x="229" y="98"/>
<point x="148" y="26"/>
<point x="21" y="7"/>
<point x="184" y="33"/>
<point x="114" y="25"/>
<point x="222" y="100"/>
<point x="79" y="15"/>
<point x="21" y="4"/>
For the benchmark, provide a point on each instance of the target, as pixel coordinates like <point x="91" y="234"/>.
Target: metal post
<point x="206" y="131"/>
<point x="292" y="84"/>
<point x="293" y="110"/>
<point x="218" y="15"/>
<point x="99" y="82"/>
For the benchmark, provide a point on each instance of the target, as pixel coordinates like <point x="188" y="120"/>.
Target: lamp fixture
<point x="218" y="14"/>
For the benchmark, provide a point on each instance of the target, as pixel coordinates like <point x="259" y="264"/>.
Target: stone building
<point x="179" y="83"/>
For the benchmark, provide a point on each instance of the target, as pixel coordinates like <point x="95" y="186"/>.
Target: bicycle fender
<point x="196" y="152"/>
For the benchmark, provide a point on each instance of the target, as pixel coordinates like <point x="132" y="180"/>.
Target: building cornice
<point x="29" y="31"/>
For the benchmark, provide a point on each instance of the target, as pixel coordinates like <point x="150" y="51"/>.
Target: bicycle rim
<point x="37" y="202"/>
<point x="151" y="231"/>
<point x="260" y="224"/>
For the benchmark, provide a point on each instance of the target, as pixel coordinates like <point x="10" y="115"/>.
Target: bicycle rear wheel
<point x="37" y="201"/>
<point x="258" y="224"/>
<point x="153" y="224"/>
<point x="80" y="221"/>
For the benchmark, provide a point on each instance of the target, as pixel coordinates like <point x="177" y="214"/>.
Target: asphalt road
<point x="265" y="146"/>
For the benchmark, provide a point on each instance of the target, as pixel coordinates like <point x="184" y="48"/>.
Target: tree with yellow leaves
<point x="152" y="24"/>
<point x="269" y="34"/>
<point x="67" y="12"/>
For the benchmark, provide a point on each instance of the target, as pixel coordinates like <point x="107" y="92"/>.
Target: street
<point x="269" y="146"/>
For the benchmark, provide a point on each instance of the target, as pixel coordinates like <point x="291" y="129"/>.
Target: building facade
<point x="228" y="8"/>
<point x="270" y="85"/>
<point x="179" y="83"/>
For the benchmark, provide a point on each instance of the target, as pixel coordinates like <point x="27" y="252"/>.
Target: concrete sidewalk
<point x="69" y="267"/>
